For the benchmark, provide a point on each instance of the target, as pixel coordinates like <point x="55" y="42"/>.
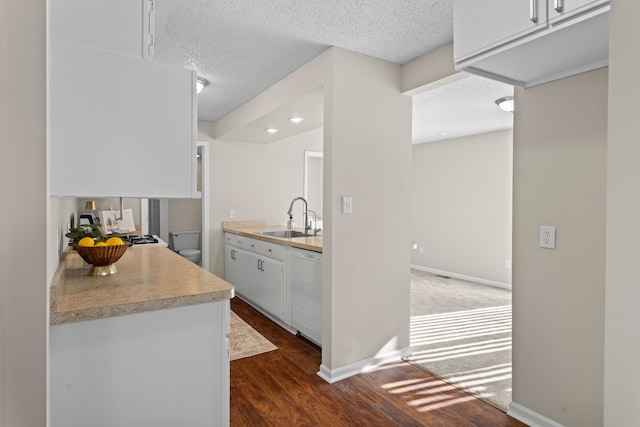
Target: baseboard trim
<point x="334" y="375"/>
<point x="462" y="277"/>
<point x="529" y="417"/>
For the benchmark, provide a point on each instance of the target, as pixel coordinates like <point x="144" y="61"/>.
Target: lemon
<point x="114" y="241"/>
<point x="101" y="244"/>
<point x="86" y="241"/>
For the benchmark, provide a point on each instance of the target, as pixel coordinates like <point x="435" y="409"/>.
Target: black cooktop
<point x="140" y="240"/>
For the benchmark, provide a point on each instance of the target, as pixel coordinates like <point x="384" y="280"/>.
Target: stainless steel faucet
<point x="306" y="218"/>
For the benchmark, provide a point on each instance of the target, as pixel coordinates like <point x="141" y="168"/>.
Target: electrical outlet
<point x="548" y="236"/>
<point x="232" y="213"/>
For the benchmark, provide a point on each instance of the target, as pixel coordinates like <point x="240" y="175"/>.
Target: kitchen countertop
<point x="148" y="278"/>
<point x="253" y="228"/>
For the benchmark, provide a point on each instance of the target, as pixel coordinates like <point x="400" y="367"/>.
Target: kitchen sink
<point x="285" y="234"/>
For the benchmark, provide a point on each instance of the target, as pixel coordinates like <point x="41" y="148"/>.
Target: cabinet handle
<point x="258" y="264"/>
<point x="558" y="5"/>
<point x="533" y="11"/>
<point x="233" y="254"/>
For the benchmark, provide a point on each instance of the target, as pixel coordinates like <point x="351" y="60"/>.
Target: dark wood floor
<point x="281" y="388"/>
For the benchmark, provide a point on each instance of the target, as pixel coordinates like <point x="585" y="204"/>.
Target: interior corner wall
<point x="23" y="217"/>
<point x="560" y="151"/>
<point x="461" y="205"/>
<point x="622" y="346"/>
<point x="366" y="253"/>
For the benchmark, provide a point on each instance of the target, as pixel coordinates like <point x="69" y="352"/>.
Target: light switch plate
<point x="346" y="204"/>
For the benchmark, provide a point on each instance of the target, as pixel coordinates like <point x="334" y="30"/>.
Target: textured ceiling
<point x="242" y="47"/>
<point x="464" y="107"/>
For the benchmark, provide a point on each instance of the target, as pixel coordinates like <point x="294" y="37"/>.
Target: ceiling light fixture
<point x="505" y="104"/>
<point x="200" y="84"/>
<point x="296" y="119"/>
<point x="271" y="130"/>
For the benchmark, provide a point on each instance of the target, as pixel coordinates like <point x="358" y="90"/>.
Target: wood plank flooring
<point x="281" y="388"/>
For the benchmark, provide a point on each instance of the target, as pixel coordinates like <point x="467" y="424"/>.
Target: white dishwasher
<point x="306" y="293"/>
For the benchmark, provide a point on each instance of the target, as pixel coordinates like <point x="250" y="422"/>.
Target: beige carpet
<point x="461" y="331"/>
<point x="245" y="341"/>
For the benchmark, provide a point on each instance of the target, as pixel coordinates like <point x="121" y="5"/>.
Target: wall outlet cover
<point x="548" y="236"/>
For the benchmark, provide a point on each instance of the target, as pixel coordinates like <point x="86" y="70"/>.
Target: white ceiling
<point x="464" y="107"/>
<point x="242" y="47"/>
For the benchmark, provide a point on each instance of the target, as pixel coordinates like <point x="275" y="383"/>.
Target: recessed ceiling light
<point x="271" y="130"/>
<point x="296" y="119"/>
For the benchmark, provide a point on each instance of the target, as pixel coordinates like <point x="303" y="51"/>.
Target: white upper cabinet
<point x="119" y="125"/>
<point x="530" y="42"/>
<point x="120" y="26"/>
<point x="480" y="25"/>
<point x="560" y="10"/>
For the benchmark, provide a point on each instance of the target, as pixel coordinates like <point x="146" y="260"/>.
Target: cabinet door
<point x="561" y="10"/>
<point x="482" y="25"/>
<point x="251" y="270"/>
<point x="271" y="283"/>
<point x="120" y="126"/>
<point x="114" y="25"/>
<point x="233" y="268"/>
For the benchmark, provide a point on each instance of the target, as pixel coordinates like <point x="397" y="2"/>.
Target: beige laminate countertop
<point x="148" y="278"/>
<point x="253" y="228"/>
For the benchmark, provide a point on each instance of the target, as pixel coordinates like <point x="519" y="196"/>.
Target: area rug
<point x="461" y="332"/>
<point x="245" y="341"/>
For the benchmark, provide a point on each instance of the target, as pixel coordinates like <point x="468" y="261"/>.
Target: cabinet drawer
<point x="271" y="250"/>
<point x="236" y="240"/>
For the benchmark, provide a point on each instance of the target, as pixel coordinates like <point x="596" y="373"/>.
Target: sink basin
<point x="285" y="234"/>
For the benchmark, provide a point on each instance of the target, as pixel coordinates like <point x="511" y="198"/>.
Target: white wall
<point x="622" y="351"/>
<point x="185" y="214"/>
<point x="461" y="205"/>
<point x="560" y="150"/>
<point x="367" y="155"/>
<point x="26" y="238"/>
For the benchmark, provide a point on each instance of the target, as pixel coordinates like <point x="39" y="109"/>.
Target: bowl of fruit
<point x="99" y="250"/>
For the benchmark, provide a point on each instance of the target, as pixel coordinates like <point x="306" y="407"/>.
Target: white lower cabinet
<point x="165" y="367"/>
<point x="234" y="263"/>
<point x="256" y="269"/>
<point x="283" y="282"/>
<point x="266" y="284"/>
